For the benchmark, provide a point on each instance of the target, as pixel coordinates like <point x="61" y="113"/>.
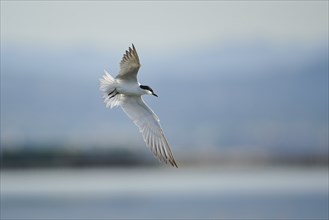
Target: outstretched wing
<point x="129" y="65"/>
<point x="149" y="125"/>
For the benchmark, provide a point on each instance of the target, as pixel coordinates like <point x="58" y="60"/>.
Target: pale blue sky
<point x="160" y="24"/>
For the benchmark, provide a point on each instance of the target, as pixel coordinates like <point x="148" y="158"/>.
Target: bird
<point x="125" y="91"/>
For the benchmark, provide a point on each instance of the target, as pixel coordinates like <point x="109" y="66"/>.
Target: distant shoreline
<point x="24" y="158"/>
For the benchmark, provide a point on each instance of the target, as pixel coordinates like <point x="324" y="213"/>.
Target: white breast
<point x="130" y="89"/>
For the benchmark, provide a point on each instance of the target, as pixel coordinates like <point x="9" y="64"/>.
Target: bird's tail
<point x="108" y="86"/>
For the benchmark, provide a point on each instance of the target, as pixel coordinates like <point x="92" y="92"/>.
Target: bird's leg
<point x="111" y="92"/>
<point x="114" y="92"/>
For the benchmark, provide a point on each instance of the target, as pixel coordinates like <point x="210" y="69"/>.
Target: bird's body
<point x="124" y="90"/>
<point x="131" y="89"/>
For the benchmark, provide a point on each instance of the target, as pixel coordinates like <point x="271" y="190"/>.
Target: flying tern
<point x="125" y="91"/>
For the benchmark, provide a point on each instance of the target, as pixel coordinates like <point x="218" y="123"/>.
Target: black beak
<point x="155" y="94"/>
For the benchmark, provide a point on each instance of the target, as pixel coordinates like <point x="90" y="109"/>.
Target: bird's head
<point x="148" y="90"/>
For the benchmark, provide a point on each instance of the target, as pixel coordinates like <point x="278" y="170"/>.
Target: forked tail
<point x="108" y="87"/>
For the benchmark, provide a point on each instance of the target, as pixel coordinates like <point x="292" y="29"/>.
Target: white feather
<point x="124" y="91"/>
<point x="149" y="125"/>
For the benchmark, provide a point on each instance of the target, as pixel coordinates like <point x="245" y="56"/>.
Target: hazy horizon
<point x="229" y="75"/>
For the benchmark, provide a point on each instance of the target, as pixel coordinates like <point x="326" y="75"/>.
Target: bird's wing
<point x="149" y="125"/>
<point x="129" y="65"/>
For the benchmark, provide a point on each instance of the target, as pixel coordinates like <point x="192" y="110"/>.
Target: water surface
<point x="266" y="193"/>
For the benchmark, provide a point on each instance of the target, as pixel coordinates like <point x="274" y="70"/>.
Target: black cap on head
<point x="149" y="89"/>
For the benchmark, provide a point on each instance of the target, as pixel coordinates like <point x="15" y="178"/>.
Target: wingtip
<point x="173" y="163"/>
<point x="133" y="48"/>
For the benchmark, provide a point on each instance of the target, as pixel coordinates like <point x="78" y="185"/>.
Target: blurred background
<point x="243" y="100"/>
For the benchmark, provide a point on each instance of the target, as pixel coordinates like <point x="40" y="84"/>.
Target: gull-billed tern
<point x="124" y="90"/>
